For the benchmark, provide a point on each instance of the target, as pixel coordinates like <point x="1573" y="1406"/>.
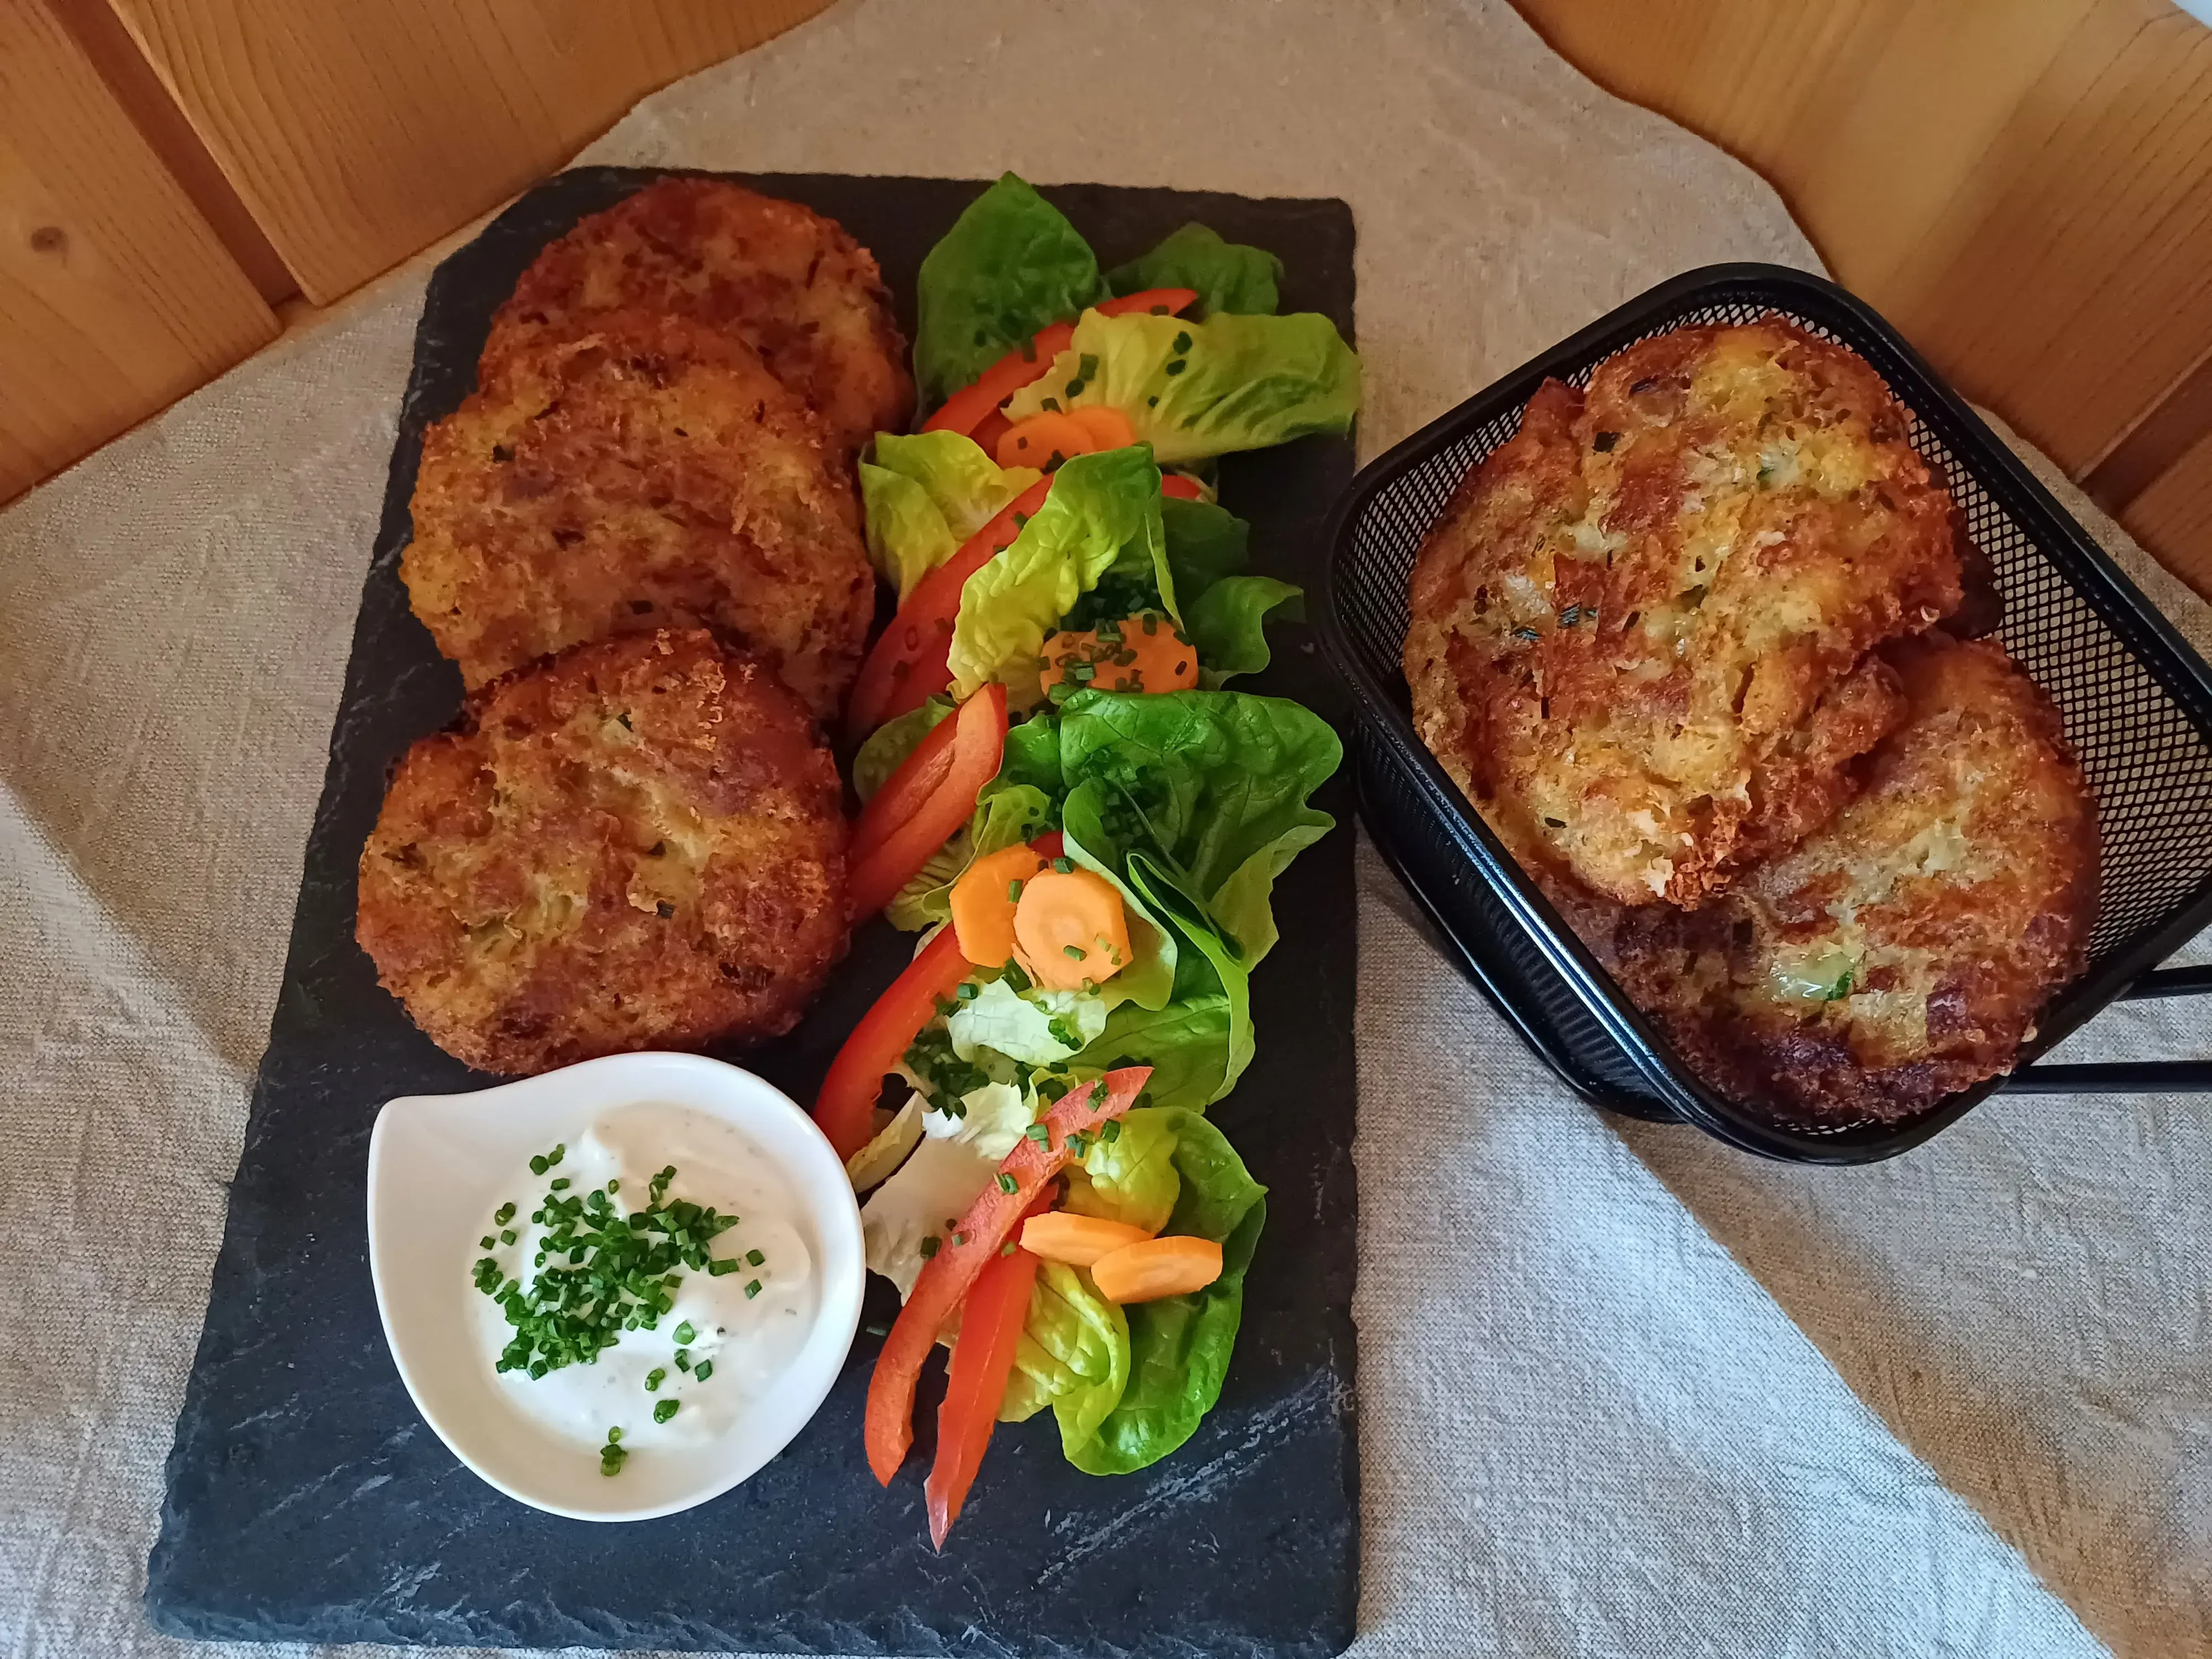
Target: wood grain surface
<point x="357" y="132"/>
<point x="2023" y="186"/>
<point x="116" y="297"/>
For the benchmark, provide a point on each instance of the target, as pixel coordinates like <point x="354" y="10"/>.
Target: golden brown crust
<point x="640" y="472"/>
<point x="1902" y="952"/>
<point x="791" y="283"/>
<point x="1642" y="627"/>
<point x="636" y="844"/>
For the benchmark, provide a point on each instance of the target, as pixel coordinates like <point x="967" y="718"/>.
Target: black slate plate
<point x="307" y="1499"/>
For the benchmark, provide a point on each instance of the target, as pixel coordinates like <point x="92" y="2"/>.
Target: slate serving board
<point x="307" y="1501"/>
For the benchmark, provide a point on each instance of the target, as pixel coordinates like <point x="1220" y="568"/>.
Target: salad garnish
<point x="1062" y="794"/>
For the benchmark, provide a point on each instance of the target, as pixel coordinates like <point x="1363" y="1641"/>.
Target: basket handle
<point x="2149" y="1076"/>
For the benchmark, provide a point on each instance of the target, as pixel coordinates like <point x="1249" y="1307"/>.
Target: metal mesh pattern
<point x="2134" y="702"/>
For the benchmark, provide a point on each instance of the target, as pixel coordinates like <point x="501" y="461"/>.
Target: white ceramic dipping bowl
<point x="439" y="1165"/>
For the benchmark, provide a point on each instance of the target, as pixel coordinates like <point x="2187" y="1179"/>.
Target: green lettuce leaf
<point x="1132" y="1177"/>
<point x="1228" y="276"/>
<point x="1186" y="1043"/>
<point x="1010" y="265"/>
<point x="1073" y="1356"/>
<point x="1206" y="543"/>
<point x="925" y="495"/>
<point x="1216" y="783"/>
<point x="1212" y="967"/>
<point x="1228" y="625"/>
<point x="1198" y="389"/>
<point x="1103" y="508"/>
<point x="1179" y="1346"/>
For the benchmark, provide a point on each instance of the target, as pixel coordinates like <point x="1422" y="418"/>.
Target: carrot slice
<point x="1137" y="653"/>
<point x="1076" y="1240"/>
<point x="946" y="1277"/>
<point x="1154" y="1267"/>
<point x="1044" y="441"/>
<point x="984" y="903"/>
<point x="911" y="660"/>
<point x="843" y="1107"/>
<point x="978" y="742"/>
<point x="1107" y="426"/>
<point x="975" y="1381"/>
<point x="1070" y="926"/>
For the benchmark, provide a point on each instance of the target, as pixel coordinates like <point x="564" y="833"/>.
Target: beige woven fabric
<point x="1621" y="1392"/>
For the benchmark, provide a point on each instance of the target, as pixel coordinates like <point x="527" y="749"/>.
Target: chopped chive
<point x="1177" y="367"/>
<point x="684" y="1359"/>
<point x="654" y="1378"/>
<point x="685" y="1332"/>
<point x="753" y="1289"/>
<point x="664" y="1411"/>
<point x="1006" y="1182"/>
<point x="614" y="1437"/>
<point x="969" y="991"/>
<point x="1008" y="1247"/>
<point x="755" y="1258"/>
<point x="703" y="1370"/>
<point x="717" y="1269"/>
<point x="486" y="1243"/>
<point x="506" y="1215"/>
<point x="1038" y="1133"/>
<point x="614" y="1186"/>
<point x="506" y="1235"/>
<point x="1065" y="865"/>
<point x="959" y="1239"/>
<point x="538" y="1164"/>
<point x="560" y="1183"/>
<point x="930" y="1245"/>
<point x="1072" y="953"/>
<point x="1112" y="1132"/>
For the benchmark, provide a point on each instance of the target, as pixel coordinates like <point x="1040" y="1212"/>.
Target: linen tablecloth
<point x="1622" y="1390"/>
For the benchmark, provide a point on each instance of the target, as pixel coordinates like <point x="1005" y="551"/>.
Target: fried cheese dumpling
<point x="791" y="283"/>
<point x="643" y="472"/>
<point x="637" y="844"/>
<point x="1643" y="628"/>
<point x="1901" y="952"/>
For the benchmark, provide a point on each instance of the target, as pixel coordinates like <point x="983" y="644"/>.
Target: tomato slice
<point x="905" y="843"/>
<point x="991" y="1322"/>
<point x="910" y="662"/>
<point x="968" y="407"/>
<point x="946" y="1277"/>
<point x="1183" y="489"/>
<point x="843" y="1106"/>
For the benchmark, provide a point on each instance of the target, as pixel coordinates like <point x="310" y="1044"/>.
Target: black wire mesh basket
<point x="2136" y="698"/>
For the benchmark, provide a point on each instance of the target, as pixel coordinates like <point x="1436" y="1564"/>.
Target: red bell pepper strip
<point x="991" y="1322"/>
<point x="1183" y="489"/>
<point x="844" y="1105"/>
<point x="910" y="662"/>
<point x="903" y="792"/>
<point x="966" y="409"/>
<point x="946" y="1277"/>
<point x="977" y="747"/>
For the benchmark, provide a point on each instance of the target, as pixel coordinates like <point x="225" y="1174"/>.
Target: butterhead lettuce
<point x="1193" y="390"/>
<point x="1227" y="277"/>
<point x="1010" y="265"/>
<point x="1103" y="509"/>
<point x="1179" y="1346"/>
<point x="925" y="495"/>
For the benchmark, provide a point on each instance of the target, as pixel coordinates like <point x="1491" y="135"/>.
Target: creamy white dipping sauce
<point x="750" y="1340"/>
